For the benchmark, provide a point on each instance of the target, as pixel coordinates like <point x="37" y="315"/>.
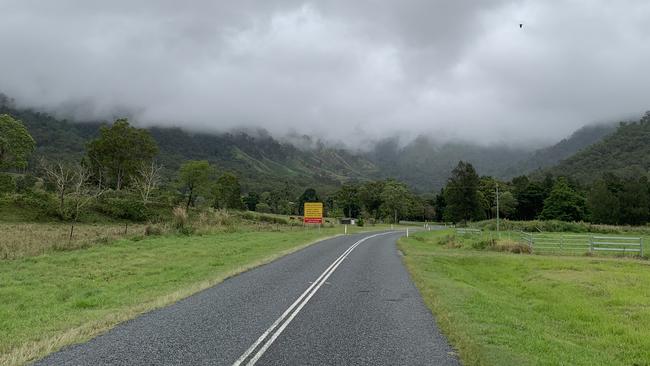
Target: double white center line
<point x="281" y="323"/>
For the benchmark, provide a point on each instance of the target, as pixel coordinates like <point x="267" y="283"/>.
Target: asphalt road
<point x="343" y="301"/>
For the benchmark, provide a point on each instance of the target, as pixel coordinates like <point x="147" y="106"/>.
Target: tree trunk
<point x="71" y="231"/>
<point x="189" y="200"/>
<point x="118" y="184"/>
<point x="61" y="202"/>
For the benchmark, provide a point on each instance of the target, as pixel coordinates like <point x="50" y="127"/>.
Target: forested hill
<point x="626" y="153"/>
<point x="426" y="165"/>
<point x="552" y="155"/>
<point x="261" y="161"/>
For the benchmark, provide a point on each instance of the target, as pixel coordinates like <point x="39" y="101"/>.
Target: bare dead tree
<point x="62" y="176"/>
<point x="80" y="195"/>
<point x="71" y="182"/>
<point x="147" y="180"/>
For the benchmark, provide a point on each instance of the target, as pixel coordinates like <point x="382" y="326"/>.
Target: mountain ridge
<point x="264" y="162"/>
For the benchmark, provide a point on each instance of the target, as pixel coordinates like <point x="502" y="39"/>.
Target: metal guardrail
<point x="543" y="242"/>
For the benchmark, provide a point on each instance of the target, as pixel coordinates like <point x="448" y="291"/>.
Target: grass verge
<point x="61" y="298"/>
<point x="516" y="309"/>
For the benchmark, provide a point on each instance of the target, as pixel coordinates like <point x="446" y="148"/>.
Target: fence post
<point x="407" y="232"/>
<point x="591" y="245"/>
<point x="641" y="246"/>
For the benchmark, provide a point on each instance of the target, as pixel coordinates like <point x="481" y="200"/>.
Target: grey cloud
<point x="346" y="70"/>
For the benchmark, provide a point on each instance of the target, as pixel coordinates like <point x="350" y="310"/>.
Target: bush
<point x="482" y="244"/>
<point x="263" y="208"/>
<point x="511" y="246"/>
<point x="25" y="183"/>
<point x="152" y="230"/>
<point x="360" y="222"/>
<point x="7" y="183"/>
<point x="554" y="226"/>
<point x="42" y="202"/>
<point x="123" y="208"/>
<point x="180" y="218"/>
<point x="450" y="242"/>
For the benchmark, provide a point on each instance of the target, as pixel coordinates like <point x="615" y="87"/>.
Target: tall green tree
<point x="370" y="197"/>
<point x="227" y="192"/>
<point x="461" y="194"/>
<point x="119" y="151"/>
<point x="507" y="204"/>
<point x="563" y="203"/>
<point x="530" y="198"/>
<point x="487" y="195"/>
<point x="347" y="199"/>
<point x="194" y="179"/>
<point x="16" y="144"/>
<point x="395" y="200"/>
<point x="309" y="195"/>
<point x="439" y="206"/>
<point x="251" y="200"/>
<point x="602" y="204"/>
<point x="634" y="202"/>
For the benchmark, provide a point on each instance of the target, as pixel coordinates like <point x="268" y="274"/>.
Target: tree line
<point x="608" y="200"/>
<point x="120" y="177"/>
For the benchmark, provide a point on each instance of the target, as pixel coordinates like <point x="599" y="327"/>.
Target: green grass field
<point x="518" y="309"/>
<point x="59" y="298"/>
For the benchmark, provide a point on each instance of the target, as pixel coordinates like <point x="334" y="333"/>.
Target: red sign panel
<point x="313" y="220"/>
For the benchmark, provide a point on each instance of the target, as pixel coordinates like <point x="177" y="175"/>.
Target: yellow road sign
<point x="313" y="213"/>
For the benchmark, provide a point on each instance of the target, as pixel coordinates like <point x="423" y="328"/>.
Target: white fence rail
<point x="543" y="242"/>
<point x="466" y="231"/>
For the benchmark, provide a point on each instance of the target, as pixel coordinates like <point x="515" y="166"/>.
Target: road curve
<point x="343" y="301"/>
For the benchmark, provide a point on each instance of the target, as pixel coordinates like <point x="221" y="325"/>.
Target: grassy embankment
<point x="499" y="308"/>
<point x="66" y="296"/>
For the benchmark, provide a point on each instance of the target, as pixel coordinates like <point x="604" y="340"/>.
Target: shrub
<point x="25" y="183"/>
<point x="450" y="242"/>
<point x="123" y="208"/>
<point x="223" y="218"/>
<point x="263" y="208"/>
<point x="151" y="230"/>
<point x="7" y="183"/>
<point x="552" y="226"/>
<point x="510" y="246"/>
<point x="482" y="244"/>
<point x="360" y="222"/>
<point x="180" y="218"/>
<point x="42" y="202"/>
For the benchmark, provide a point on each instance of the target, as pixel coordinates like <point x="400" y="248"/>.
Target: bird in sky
<point x="521" y="25"/>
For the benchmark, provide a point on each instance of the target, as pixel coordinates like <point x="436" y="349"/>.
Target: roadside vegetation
<point x="60" y="298"/>
<point x="89" y="243"/>
<point x="500" y="306"/>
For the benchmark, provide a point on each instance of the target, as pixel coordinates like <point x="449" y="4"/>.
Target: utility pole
<point x="498" y="234"/>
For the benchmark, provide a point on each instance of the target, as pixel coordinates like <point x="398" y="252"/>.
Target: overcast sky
<point x="344" y="70"/>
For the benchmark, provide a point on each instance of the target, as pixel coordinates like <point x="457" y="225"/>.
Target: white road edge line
<point x="300" y="303"/>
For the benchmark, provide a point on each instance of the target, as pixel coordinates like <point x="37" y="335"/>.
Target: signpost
<point x="313" y="213"/>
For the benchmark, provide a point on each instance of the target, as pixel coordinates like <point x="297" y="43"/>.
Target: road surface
<point x="343" y="301"/>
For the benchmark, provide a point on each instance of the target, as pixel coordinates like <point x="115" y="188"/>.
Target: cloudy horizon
<point x="343" y="71"/>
